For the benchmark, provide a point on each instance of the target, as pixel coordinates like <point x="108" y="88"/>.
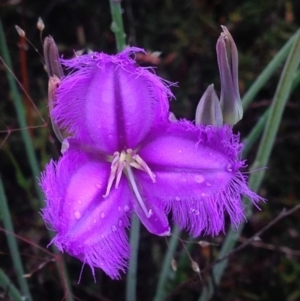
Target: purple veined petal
<point x="88" y="226"/>
<point x="151" y="214"/>
<point x="197" y="175"/>
<point x="109" y="101"/>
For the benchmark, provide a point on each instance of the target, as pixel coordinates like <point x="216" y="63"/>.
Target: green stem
<point x="9" y="289"/>
<point x="165" y="271"/>
<point x="12" y="243"/>
<point x="255" y="133"/>
<point x="267" y="73"/>
<point x="132" y="272"/>
<point x="267" y="142"/>
<point x="117" y="24"/>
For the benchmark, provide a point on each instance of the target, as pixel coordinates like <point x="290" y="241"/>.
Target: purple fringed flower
<point x="125" y="157"/>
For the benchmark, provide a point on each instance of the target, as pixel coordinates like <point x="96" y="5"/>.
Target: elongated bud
<point x="55" y="72"/>
<point x="52" y="58"/>
<point x="209" y="109"/>
<point x="228" y="66"/>
<point x="40" y="24"/>
<point x="20" y="31"/>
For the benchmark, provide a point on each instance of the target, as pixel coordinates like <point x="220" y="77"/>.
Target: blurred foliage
<point x="185" y="31"/>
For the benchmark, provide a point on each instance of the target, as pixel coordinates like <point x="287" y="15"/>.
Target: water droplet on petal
<point x="79" y="201"/>
<point x="110" y="136"/>
<point x="102" y="214"/>
<point x="77" y="214"/>
<point x="150" y="213"/>
<point x="229" y="167"/>
<point x="177" y="198"/>
<point x="120" y="222"/>
<point x="203" y="194"/>
<point x="99" y="185"/>
<point x="119" y="208"/>
<point x="208" y="184"/>
<point x="126" y="208"/>
<point x="180" y="151"/>
<point x="113" y="228"/>
<point x="199" y="178"/>
<point x="94" y="221"/>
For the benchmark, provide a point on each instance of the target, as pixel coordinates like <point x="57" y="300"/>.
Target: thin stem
<point x="117" y="24"/>
<point x="132" y="272"/>
<point x="134" y="242"/>
<point x="12" y="243"/>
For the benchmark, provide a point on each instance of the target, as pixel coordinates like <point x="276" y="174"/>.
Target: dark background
<point x="186" y="33"/>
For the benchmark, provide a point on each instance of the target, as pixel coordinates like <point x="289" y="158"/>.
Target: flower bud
<point x="209" y="110"/>
<point x="230" y="101"/>
<point x="51" y="56"/>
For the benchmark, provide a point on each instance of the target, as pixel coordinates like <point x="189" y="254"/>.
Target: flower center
<point x="125" y="159"/>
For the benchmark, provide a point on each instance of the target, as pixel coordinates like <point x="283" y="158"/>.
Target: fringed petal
<point x="109" y="101"/>
<point x="88" y="226"/>
<point x="197" y="175"/>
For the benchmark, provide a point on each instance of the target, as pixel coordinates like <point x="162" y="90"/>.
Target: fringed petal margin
<point x="89" y="226"/>
<point x="197" y="175"/>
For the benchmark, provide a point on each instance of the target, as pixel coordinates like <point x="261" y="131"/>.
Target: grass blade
<point x="267" y="73"/>
<point x="9" y="289"/>
<point x="12" y="243"/>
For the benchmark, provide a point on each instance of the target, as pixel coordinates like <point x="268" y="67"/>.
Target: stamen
<point x="136" y="191"/>
<point x="144" y="167"/>
<point x="126" y="159"/>
<point x="112" y="175"/>
<point x="121" y="165"/>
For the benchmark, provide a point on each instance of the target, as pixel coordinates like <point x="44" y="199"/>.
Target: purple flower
<point x="125" y="157"/>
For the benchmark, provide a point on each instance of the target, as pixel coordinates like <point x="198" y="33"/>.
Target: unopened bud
<point x="20" y="31"/>
<point x="209" y="109"/>
<point x="52" y="58"/>
<point x="228" y="66"/>
<point x="40" y="24"/>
